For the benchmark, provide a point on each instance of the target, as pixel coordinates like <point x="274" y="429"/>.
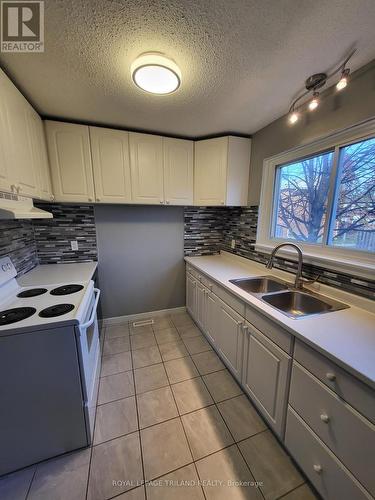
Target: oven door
<point x="89" y="347"/>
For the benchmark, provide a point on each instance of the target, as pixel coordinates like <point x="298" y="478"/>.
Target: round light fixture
<point x="155" y="73"/>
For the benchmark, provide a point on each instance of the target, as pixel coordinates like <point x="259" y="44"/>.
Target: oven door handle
<point x="93" y="313"/>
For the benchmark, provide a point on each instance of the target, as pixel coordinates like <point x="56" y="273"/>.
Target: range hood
<point x="22" y="208"/>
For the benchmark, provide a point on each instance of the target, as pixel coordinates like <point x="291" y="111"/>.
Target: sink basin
<point x="297" y="304"/>
<point x="260" y="284"/>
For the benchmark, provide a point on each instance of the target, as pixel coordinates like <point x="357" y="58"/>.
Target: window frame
<point x="351" y="261"/>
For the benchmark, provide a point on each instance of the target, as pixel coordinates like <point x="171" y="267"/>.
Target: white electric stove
<point x="49" y="368"/>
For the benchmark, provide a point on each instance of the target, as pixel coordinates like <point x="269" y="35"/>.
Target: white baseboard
<point x="117" y="320"/>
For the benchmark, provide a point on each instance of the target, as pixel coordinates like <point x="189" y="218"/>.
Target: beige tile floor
<point x="171" y="423"/>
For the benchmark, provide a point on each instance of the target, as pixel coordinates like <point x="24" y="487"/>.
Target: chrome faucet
<point x="299" y="280"/>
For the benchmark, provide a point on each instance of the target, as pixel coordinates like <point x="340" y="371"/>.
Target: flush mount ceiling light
<point x="315" y="82"/>
<point x="155" y="73"/>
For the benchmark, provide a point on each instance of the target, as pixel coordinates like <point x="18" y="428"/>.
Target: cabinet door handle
<point x="90" y="199"/>
<point x="318" y="469"/>
<point x="167" y="202"/>
<point x="239" y="323"/>
<point x="324" y="418"/>
<point x="13" y="188"/>
<point x="210" y="287"/>
<point x="331" y="376"/>
<point x="161" y="202"/>
<point x="245" y="328"/>
<point x="19" y="189"/>
<point x="97" y="199"/>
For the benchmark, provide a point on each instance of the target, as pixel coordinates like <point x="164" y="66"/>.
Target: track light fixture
<point x="315" y="82"/>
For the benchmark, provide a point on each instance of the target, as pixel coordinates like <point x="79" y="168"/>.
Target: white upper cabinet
<point x="18" y="174"/>
<point x="40" y="158"/>
<point x="221" y="171"/>
<point x="146" y="160"/>
<point x="178" y="171"/>
<point x="5" y="181"/>
<point x="70" y="161"/>
<point x="111" y="165"/>
<point x="23" y="153"/>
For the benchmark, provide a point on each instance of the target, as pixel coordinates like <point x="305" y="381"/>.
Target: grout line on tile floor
<point x="183" y="427"/>
<point x="138" y="422"/>
<point x="104" y="331"/>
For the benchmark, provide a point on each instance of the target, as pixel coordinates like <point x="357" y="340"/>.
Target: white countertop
<point x="347" y="336"/>
<point x="52" y="274"/>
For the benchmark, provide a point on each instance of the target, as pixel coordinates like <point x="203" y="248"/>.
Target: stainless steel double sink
<point x="291" y="302"/>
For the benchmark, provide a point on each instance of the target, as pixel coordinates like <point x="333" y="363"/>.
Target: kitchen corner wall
<point x="211" y="229"/>
<point x="141" y="258"/>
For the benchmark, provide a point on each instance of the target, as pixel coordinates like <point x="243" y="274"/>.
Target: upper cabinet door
<point x="40" y="158"/>
<point x="5" y="178"/>
<point x="111" y="165"/>
<point x="178" y="171"/>
<point x="22" y="168"/>
<point x="146" y="162"/>
<point x="70" y="161"/>
<point x="210" y="171"/>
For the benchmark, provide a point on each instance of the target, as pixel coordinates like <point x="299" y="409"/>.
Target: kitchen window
<point x="322" y="197"/>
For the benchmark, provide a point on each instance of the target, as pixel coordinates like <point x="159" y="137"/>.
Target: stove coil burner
<point x="66" y="289"/>
<point x="57" y="310"/>
<point x="10" y="316"/>
<point x="32" y="292"/>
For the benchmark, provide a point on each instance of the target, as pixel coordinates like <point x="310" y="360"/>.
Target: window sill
<point x="332" y="259"/>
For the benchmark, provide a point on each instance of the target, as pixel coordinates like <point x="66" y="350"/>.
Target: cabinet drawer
<point x="192" y="271"/>
<point x="349" y="435"/>
<point x="355" y="392"/>
<point x="229" y="299"/>
<point x="329" y="476"/>
<point x="271" y="329"/>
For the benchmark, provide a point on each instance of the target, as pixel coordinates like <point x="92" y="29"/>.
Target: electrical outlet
<point x="233" y="244"/>
<point x="74" y="245"/>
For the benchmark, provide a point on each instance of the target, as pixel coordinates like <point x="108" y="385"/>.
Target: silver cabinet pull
<point x="331" y="376"/>
<point x="97" y="199"/>
<point x="324" y="418"/>
<point x="318" y="469"/>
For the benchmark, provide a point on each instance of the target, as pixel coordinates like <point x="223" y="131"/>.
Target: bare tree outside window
<point x="302" y="198"/>
<point x="353" y="218"/>
<point x="302" y="191"/>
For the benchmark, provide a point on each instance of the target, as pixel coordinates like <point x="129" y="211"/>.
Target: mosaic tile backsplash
<point x="70" y="222"/>
<point x="47" y="241"/>
<point x="211" y="229"/>
<point x="17" y="241"/>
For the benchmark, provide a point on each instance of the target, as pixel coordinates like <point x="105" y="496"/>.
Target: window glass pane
<point x="301" y="198"/>
<point x="353" y="217"/>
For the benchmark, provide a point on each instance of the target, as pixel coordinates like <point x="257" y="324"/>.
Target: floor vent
<point x="145" y="322"/>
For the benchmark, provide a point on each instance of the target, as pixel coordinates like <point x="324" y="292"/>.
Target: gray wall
<point x="140" y="254"/>
<point x="337" y="111"/>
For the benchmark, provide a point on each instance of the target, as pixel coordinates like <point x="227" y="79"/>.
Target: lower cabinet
<point x="191" y="294"/>
<point x="201" y="306"/>
<point x="266" y="377"/>
<point x="212" y="307"/>
<point x="229" y="337"/>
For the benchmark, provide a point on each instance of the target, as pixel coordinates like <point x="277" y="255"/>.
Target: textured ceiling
<point x="242" y="61"/>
